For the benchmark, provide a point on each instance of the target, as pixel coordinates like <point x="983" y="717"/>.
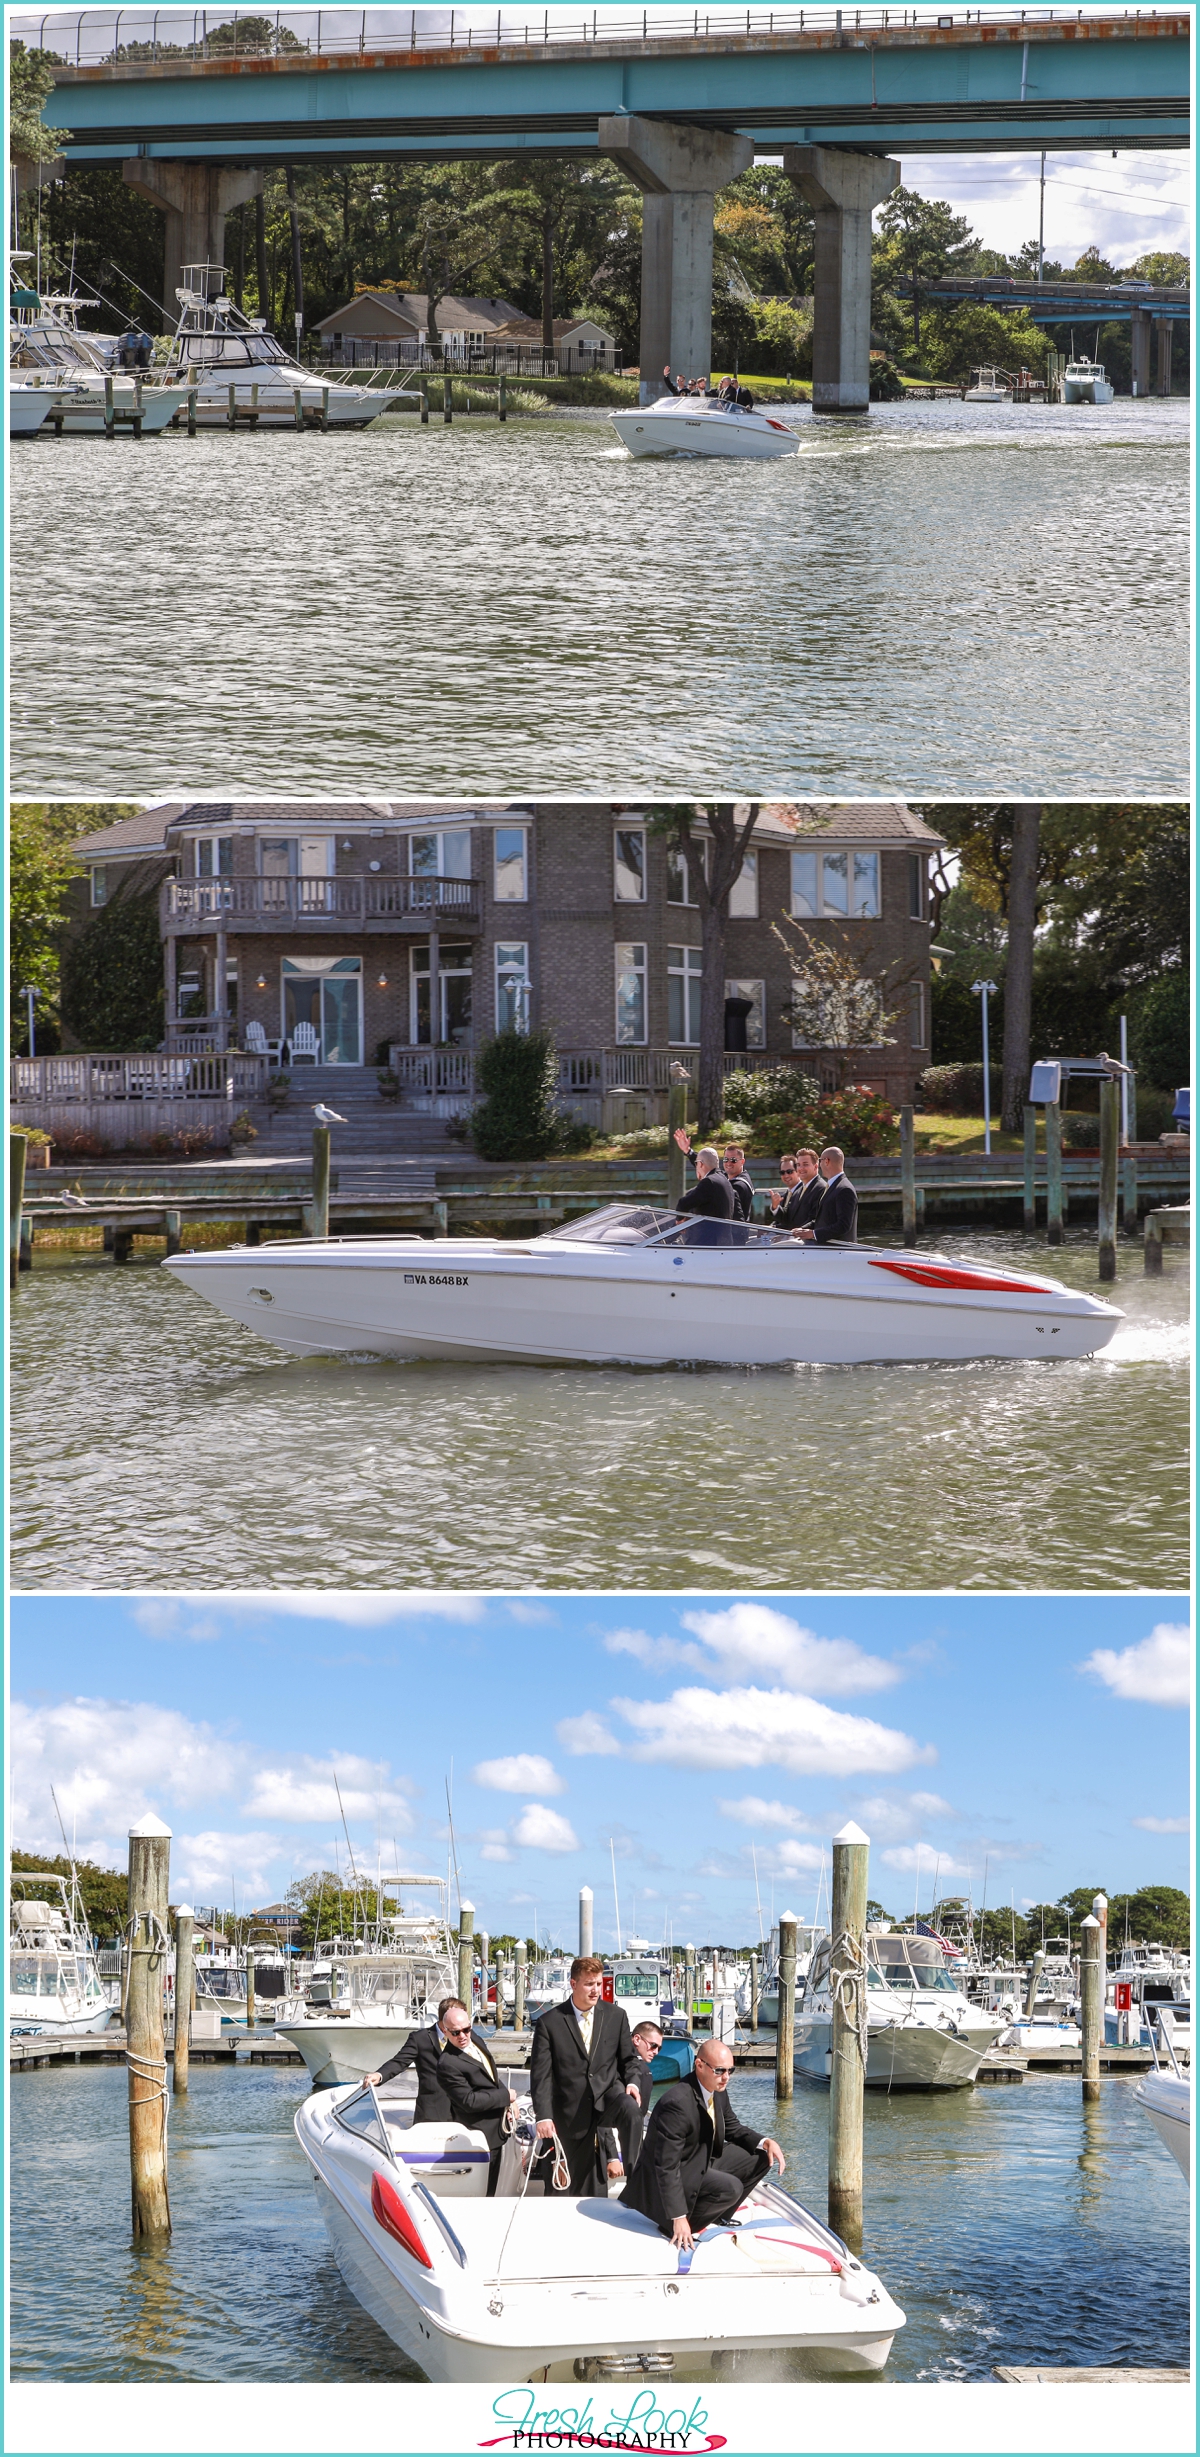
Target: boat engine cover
<point x="450" y="2159"/>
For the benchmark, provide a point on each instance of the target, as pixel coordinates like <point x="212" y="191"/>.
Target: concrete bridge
<point x="683" y="103"/>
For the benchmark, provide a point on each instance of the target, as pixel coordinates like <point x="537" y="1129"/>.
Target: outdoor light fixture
<point x="346" y="845"/>
<point x="261" y="982"/>
<point x="374" y="865"/>
<point x="383" y="981"/>
<point x="984" y="990"/>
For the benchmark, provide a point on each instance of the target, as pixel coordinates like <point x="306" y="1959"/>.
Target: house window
<point x="631" y="993"/>
<point x="629" y="866"/>
<point x="279" y="857"/>
<point x="743" y="895"/>
<point x="511" y="865"/>
<point x="442" y="853"/>
<point x="756" y="1035"/>
<point x="214" y="857"/>
<point x="917" y="877"/>
<point x="454" y="997"/>
<point x="683" y="995"/>
<point x="918" y="1034"/>
<point x="835" y="886"/>
<point x="99" y="885"/>
<point x="681" y="872"/>
<point x="512" y="985"/>
<point x="189" y="993"/>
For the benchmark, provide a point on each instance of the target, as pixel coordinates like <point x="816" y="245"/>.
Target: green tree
<point x="104" y="1891"/>
<point x="766" y="226"/>
<point x="921" y="240"/>
<point x="1093" y="267"/>
<point x="517" y="1118"/>
<point x="112" y="978"/>
<point x="713" y="838"/>
<point x="959" y="339"/>
<point x="41" y="868"/>
<point x="1154" y="1915"/>
<point x="31" y="83"/>
<point x="1165" y="268"/>
<point x="1162" y="1031"/>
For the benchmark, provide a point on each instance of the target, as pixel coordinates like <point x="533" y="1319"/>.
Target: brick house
<point x="417" y="929"/>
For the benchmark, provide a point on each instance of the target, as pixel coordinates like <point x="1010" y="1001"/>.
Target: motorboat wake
<point x="633" y="1285"/>
<point x="699" y="423"/>
<point x="562" y="2287"/>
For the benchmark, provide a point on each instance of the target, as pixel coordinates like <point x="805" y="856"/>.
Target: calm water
<point x="154" y="1444"/>
<point x="968" y="600"/>
<point x="1011" y="2223"/>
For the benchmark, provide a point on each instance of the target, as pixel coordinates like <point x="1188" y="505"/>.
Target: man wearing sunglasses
<point x="457" y="2081"/>
<point x="795" y="1205"/>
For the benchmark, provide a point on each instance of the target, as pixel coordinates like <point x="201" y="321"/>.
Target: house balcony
<point x="407" y="908"/>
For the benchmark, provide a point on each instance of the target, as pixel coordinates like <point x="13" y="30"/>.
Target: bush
<point x="955" y="1091"/>
<point x="1154" y="1110"/>
<point x="1080" y="1132"/>
<point x="517" y="1118"/>
<point x="755" y="1093"/>
<point x="112" y="978"/>
<point x="79" y="1145"/>
<point x="243" y="1129"/>
<point x="193" y="1139"/>
<point x="35" y="1135"/>
<point x="1161" y="1044"/>
<point x="856" y="1120"/>
<point x="783" y="339"/>
<point x="885" y="383"/>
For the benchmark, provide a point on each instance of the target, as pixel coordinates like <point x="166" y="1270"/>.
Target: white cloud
<point x="1157" y="1671"/>
<point x="204" y="1867"/>
<point x="749" y="1638"/>
<point x="163" y="1616"/>
<point x="494" y="1844"/>
<point x="517" y="1774"/>
<point x="906" y="1856"/>
<point x="764" y="1727"/>
<point x="587" y="1735"/>
<point x="304" y="1793"/>
<point x="1164" y="1825"/>
<point x="368" y="1609"/>
<point x="542" y="1829"/>
<point x="789" y="1859"/>
<point x="754" y="1812"/>
<point x="109" y="1761"/>
<point x="892" y="1817"/>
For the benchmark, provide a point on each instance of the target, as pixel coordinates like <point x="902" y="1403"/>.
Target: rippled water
<point x="1011" y="2224"/>
<point x="153" y="1443"/>
<point x="945" y="598"/>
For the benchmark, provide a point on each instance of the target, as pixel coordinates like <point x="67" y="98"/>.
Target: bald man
<point x="698" y="2160"/>
<point x="835" y="1221"/>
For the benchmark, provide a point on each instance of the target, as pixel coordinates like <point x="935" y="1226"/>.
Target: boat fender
<point x="390" y="2213"/>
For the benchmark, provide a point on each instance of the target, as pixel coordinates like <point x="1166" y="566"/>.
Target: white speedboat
<point x="922" y="2034"/>
<point x="218" y="351"/>
<point x="48" y="355"/>
<point x="54" y="1987"/>
<point x="1084" y="380"/>
<point x="701" y="424"/>
<point x="1166" y="2098"/>
<point x="527" y="2285"/>
<point x="991" y="384"/>
<point x="631" y="1284"/>
<point x="28" y="408"/>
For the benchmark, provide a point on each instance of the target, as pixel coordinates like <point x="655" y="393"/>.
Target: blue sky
<point x="1050" y="1735"/>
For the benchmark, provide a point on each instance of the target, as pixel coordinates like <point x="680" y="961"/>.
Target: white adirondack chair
<point x="306" y="1045"/>
<point x="259" y="1046"/>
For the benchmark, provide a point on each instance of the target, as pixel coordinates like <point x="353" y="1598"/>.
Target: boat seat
<point x="450" y="2159"/>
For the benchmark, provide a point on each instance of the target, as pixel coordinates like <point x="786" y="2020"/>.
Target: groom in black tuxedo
<point x="585" y="2072"/>
<point x="698" y="2160"/>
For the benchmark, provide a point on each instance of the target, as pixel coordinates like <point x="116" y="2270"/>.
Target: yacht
<point x="990" y="384"/>
<point x="547" y="1983"/>
<point x="702" y="426"/>
<point x="216" y="350"/>
<point x="922" y="2034"/>
<point x="1085" y="381"/>
<point x="554" y="2287"/>
<point x="28" y="408"/>
<point x="1165" y="2097"/>
<point x="49" y="357"/>
<point x="1146" y="1982"/>
<point x="391" y="1989"/>
<point x="633" y="1285"/>
<point x="54" y="1986"/>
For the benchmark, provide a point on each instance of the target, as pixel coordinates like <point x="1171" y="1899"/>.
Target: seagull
<point x="74" y="1202"/>
<point x="327" y="1117"/>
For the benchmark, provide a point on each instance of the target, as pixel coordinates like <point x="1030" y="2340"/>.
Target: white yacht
<point x="922" y="2034"/>
<point x="547" y="1983"/>
<point x="28" y="408"/>
<point x="1146" y="1982"/>
<point x="634" y="1285"/>
<point x="555" y="2287"/>
<point x="990" y="384"/>
<point x="216" y="350"/>
<point x="389" y="1991"/>
<point x="54" y="1985"/>
<point x="49" y="357"/>
<point x="1165" y="2097"/>
<point x="1084" y="380"/>
<point x="702" y="425"/>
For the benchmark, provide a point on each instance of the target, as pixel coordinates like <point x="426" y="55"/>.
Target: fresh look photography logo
<point x="641" y="2424"/>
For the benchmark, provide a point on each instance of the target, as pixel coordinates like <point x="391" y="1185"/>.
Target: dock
<point x="107" y="2047"/>
<point x="1073" y="2376"/>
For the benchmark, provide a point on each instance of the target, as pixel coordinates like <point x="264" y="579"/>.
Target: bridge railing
<point x="93" y="38"/>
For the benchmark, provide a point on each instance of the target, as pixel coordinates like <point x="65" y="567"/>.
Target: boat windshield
<point x="643" y="1224"/>
<point x="910" y="1962"/>
<point x="229" y="349"/>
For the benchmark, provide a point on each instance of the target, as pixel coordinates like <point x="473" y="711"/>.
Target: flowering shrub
<point x="756" y="1093"/>
<point x="955" y="1091"/>
<point x="856" y="1120"/>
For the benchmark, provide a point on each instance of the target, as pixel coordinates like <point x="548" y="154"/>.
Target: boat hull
<point x="1097" y="394"/>
<point x="1167" y="2100"/>
<point x="901" y="2056"/>
<point x="708" y="434"/>
<point x="28" y="409"/>
<point x="85" y="415"/>
<point x="275" y="406"/>
<point x="344" y="2051"/>
<point x="79" y="2025"/>
<point x="474" y="1299"/>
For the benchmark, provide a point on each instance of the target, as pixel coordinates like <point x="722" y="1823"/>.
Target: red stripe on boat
<point x="935" y="1275"/>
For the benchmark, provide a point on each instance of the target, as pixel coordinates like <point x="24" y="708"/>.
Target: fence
<point x="119" y="1100"/>
<point x="210" y="902"/>
<point x="452" y="357"/>
<point x="591" y="1082"/>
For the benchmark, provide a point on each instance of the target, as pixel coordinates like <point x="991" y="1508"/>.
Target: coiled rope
<point x="848" y="1987"/>
<point x="151" y="2070"/>
<point x="560" y="2177"/>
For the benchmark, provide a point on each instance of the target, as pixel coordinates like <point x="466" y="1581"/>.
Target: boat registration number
<point x="437" y="1279"/>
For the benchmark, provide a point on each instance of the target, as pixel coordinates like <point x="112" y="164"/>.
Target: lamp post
<point x="30" y="995"/>
<point x="983" y="990"/>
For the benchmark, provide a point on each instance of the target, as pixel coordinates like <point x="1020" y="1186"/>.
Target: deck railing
<point x="91" y="1076"/>
<point x="206" y="903"/>
<point x="583" y="1074"/>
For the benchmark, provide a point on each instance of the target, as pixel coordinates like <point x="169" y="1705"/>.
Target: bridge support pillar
<point x="195" y="197"/>
<point x="843" y="190"/>
<point x="1164" y="357"/>
<point x="679" y="171"/>
<point x="1139" y="336"/>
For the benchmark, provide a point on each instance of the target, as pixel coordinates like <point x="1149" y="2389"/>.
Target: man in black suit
<point x="457" y="2081"/>
<point x="835" y="1221"/>
<point x="698" y="2160"/>
<point x="711" y="1197"/>
<point x="741" y="1186"/>
<point x="584" y="2073"/>
<point x="797" y="1205"/>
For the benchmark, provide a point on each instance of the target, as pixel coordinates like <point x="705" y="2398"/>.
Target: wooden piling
<point x="689" y="1991"/>
<point x="521" y="1956"/>
<point x="145" y="2042"/>
<point x="251" y="2002"/>
<point x="185" y="1922"/>
<point x="231" y="413"/>
<point x="191" y="400"/>
<point x="1031" y="1987"/>
<point x="298" y="404"/>
<point x="447" y="400"/>
<point x="754" y="1991"/>
<point x="18" y="1150"/>
<point x="1091" y="1990"/>
<point x="1054" y="1175"/>
<point x="484" y="1950"/>
<point x="254" y="405"/>
<point x="677" y="1100"/>
<point x="322" y="1139"/>
<point x="110" y="415"/>
<point x="785" y="2035"/>
<point x="1110" y="1142"/>
<point x="441" y="1219"/>
<point x="503" y="400"/>
<point x="25" y="1257"/>
<point x="908" y="1176"/>
<point x="122" y="1245"/>
<point x="137" y="409"/>
<point x="1030" y="1197"/>
<point x="466" y="1951"/>
<point x="324" y="409"/>
<point x="172" y="1221"/>
<point x="847" y="2073"/>
<point x="423" y="389"/>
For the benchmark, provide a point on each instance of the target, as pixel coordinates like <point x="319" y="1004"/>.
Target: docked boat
<point x="54" y="1986"/>
<point x="990" y="384"/>
<point x="558" y="2287"/>
<point x="922" y="2034"/>
<point x="216" y="351"/>
<point x="702" y="425"/>
<point x="48" y="355"/>
<point x="1166" y="2099"/>
<point x="1149" y="1988"/>
<point x="28" y="408"/>
<point x="632" y="1285"/>
<point x="388" y="1992"/>
<point x="1084" y="380"/>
